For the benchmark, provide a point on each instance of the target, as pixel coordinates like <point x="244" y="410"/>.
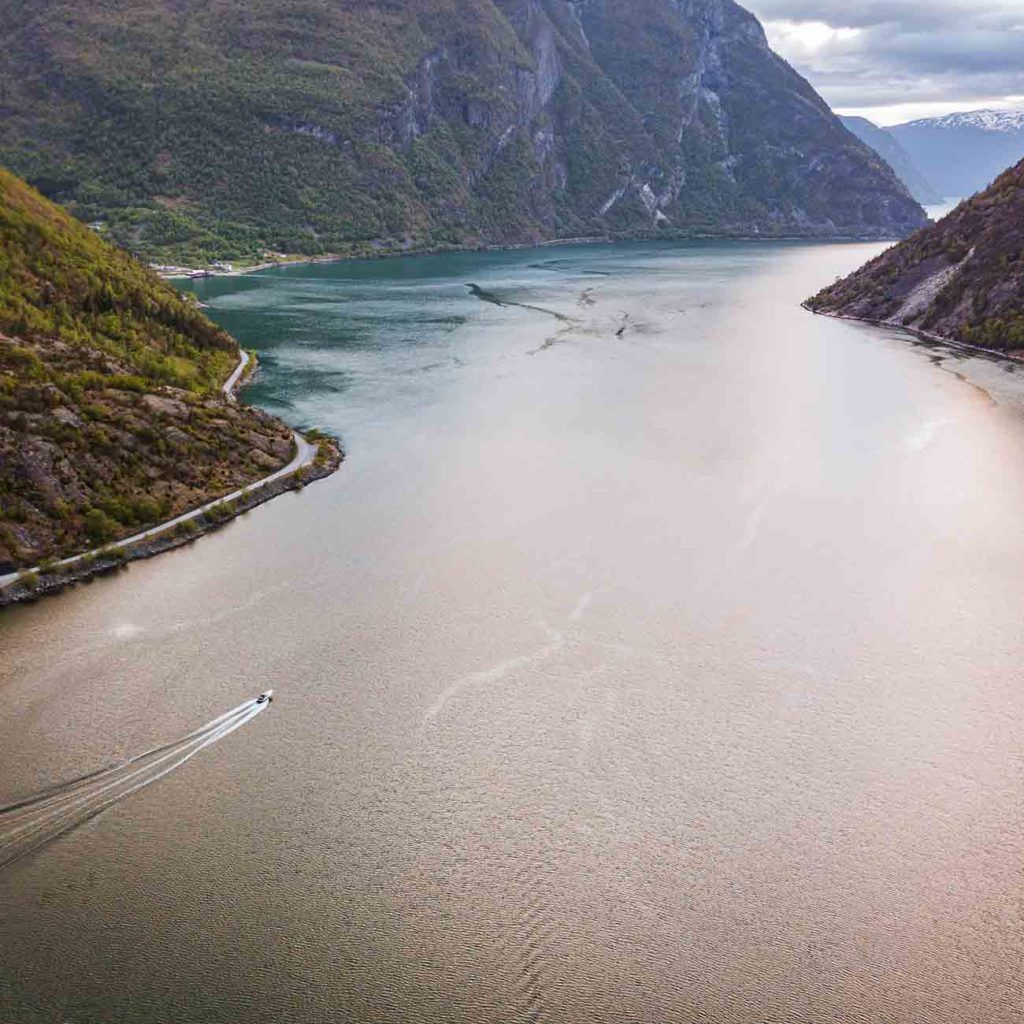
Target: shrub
<point x="99" y="527"/>
<point x="186" y="528"/>
<point x="220" y="513"/>
<point x="117" y="510"/>
<point x="145" y="510"/>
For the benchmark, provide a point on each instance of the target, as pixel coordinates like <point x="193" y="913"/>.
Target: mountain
<point x="194" y="128"/>
<point x="963" y="153"/>
<point x="961" y="279"/>
<point x="886" y="146"/>
<point x="111" y="413"/>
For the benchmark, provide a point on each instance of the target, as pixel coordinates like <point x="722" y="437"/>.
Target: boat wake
<point x="28" y="824"/>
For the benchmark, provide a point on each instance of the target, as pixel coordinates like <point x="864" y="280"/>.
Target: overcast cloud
<point x="892" y="60"/>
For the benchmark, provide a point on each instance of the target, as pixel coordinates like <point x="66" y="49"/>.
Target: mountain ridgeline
<point x="961" y="154"/>
<point x="885" y="144"/>
<point x="960" y="279"/>
<point x="220" y="128"/>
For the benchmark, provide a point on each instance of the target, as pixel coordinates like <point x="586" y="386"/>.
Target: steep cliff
<point x="961" y="279"/>
<point x="200" y="127"/>
<point x="111" y="414"/>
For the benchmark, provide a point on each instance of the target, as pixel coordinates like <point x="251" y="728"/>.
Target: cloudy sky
<point x="894" y="60"/>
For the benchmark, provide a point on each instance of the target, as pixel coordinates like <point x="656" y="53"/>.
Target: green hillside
<point x="111" y="415"/>
<point x="199" y="128"/>
<point x="62" y="284"/>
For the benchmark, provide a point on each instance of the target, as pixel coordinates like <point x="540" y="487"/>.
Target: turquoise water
<point x="655" y="656"/>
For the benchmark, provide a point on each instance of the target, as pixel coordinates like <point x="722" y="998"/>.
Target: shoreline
<point x="961" y="347"/>
<point x="993" y="372"/>
<point x="311" y="461"/>
<point x="202" y="274"/>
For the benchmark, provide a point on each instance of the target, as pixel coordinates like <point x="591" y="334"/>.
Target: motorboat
<point x="266" y="697"/>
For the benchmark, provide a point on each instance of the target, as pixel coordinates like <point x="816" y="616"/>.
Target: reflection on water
<point x="657" y="663"/>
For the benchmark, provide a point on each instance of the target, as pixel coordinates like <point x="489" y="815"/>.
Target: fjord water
<point x="655" y="656"/>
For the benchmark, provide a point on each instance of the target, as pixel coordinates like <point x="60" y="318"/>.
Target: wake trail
<point x="92" y="803"/>
<point x="59" y="803"/>
<point x="27" y="825"/>
<point x="61" y="789"/>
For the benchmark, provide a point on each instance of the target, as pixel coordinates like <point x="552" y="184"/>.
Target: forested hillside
<point x="962" y="278"/>
<point x="197" y="128"/>
<point x="111" y="415"/>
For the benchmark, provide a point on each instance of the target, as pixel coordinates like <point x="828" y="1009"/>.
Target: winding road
<point x="228" y="387"/>
<point x="305" y="453"/>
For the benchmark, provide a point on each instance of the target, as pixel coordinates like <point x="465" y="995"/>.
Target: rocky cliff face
<point x="339" y="125"/>
<point x="961" y="279"/>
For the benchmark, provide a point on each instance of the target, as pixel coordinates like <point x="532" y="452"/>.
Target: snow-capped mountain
<point x="986" y="120"/>
<point x="962" y="153"/>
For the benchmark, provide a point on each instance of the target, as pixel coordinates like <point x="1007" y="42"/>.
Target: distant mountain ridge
<point x="220" y="127"/>
<point x="889" y="149"/>
<point x="986" y="120"/>
<point x="962" y="153"/>
<point x="962" y="278"/>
